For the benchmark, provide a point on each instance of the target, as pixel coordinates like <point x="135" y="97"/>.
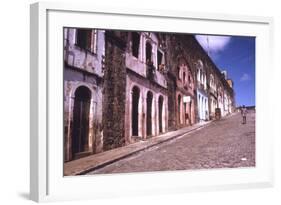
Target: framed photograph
<point x="132" y="102"/>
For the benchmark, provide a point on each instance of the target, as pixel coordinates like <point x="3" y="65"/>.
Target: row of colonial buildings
<point x="122" y="87"/>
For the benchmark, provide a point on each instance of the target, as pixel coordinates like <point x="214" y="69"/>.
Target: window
<point x="212" y="81"/>
<point x="160" y="61"/>
<point x="135" y="44"/>
<point x="65" y="33"/>
<point x="205" y="82"/>
<point x="199" y="64"/>
<point x="179" y="71"/>
<point x="159" y="58"/>
<point x="148" y="53"/>
<point x="86" y="39"/>
<point x="198" y="75"/>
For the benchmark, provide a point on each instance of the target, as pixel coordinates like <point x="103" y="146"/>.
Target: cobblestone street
<point x="222" y="144"/>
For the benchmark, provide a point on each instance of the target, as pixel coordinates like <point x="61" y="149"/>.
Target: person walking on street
<point x="244" y="114"/>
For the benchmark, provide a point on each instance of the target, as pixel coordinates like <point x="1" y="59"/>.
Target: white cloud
<point x="213" y="44"/>
<point x="245" y="77"/>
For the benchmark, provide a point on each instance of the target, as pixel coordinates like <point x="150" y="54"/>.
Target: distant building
<point x="202" y="95"/>
<point x="224" y="73"/>
<point x="181" y="82"/>
<point x="230" y="83"/>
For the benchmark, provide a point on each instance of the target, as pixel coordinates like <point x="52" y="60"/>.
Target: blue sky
<point x="236" y="55"/>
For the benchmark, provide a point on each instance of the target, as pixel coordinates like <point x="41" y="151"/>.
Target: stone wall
<point x="114" y="89"/>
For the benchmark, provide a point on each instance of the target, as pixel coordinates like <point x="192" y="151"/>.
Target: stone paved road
<point x="223" y="144"/>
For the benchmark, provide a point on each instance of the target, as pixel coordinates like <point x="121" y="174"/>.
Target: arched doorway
<point x="190" y="113"/>
<point x="149" y="99"/>
<point x="206" y="110"/>
<point x="135" y="111"/>
<point x="179" y="109"/>
<point x="199" y="106"/>
<point x="160" y="110"/>
<point x="81" y="113"/>
<point x="185" y="112"/>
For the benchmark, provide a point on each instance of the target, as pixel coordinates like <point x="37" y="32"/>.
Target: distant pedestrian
<point x="244" y="114"/>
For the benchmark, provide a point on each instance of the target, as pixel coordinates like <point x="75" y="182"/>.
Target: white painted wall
<point x="203" y="108"/>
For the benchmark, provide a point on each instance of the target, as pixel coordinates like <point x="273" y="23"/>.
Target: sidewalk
<point x="96" y="161"/>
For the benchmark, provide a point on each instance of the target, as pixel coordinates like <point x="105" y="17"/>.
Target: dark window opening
<point x="189" y="79"/>
<point x="135" y="44"/>
<point x="178" y="72"/>
<point x="159" y="59"/>
<point x="83" y="38"/>
<point x="150" y="67"/>
<point x="148" y="53"/>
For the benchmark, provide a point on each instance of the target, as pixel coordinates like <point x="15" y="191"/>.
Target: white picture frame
<point x="46" y="159"/>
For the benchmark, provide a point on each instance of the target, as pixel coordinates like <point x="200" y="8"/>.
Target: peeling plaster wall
<point x="82" y="68"/>
<point x="80" y="58"/>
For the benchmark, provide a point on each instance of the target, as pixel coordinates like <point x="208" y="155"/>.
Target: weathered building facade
<point x="122" y="87"/>
<point x="146" y="113"/>
<point x="83" y="79"/>
<point x="181" y="82"/>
